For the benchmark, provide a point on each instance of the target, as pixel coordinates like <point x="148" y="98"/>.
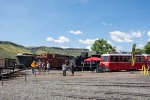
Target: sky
<point x="75" y="23"/>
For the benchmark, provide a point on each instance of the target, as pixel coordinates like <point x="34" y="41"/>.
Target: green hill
<point x="10" y="50"/>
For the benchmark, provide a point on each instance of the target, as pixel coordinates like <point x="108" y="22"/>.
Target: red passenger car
<point x="116" y="62"/>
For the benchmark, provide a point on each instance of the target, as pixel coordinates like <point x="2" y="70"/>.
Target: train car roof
<point x="146" y="54"/>
<point x="119" y="55"/>
<point x="24" y="54"/>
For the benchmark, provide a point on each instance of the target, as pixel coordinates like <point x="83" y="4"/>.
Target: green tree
<point x="139" y="51"/>
<point x="101" y="46"/>
<point x="147" y="48"/>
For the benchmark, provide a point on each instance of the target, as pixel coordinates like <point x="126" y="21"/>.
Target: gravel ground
<point x="84" y="85"/>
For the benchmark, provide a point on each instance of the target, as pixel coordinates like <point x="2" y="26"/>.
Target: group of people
<point x="41" y="65"/>
<point x="64" y="68"/>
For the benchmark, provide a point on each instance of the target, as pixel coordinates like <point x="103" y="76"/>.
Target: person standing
<point x="64" y="67"/>
<point x="40" y="66"/>
<point x="43" y="66"/>
<point x="72" y="69"/>
<point x="48" y="66"/>
<point x="33" y="66"/>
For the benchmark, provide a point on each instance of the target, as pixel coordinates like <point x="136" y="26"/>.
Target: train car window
<point x="129" y="59"/>
<point x="137" y="59"/>
<point x="117" y="59"/>
<point x="105" y="58"/>
<point x="125" y="59"/>
<point x="114" y="58"/>
<point x="121" y="59"/>
<point x="148" y="59"/>
<point x="141" y="59"/>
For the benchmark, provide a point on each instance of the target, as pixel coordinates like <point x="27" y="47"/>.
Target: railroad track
<point x="7" y="73"/>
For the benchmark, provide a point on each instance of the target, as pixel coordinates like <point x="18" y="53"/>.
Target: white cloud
<point x="64" y="47"/>
<point x="121" y="36"/>
<point x="88" y="41"/>
<point x="119" y="48"/>
<point x="136" y="34"/>
<point x="140" y="46"/>
<point x="109" y="42"/>
<point x="148" y="39"/>
<point x="143" y="31"/>
<point x="88" y="47"/>
<point x="104" y="23"/>
<point x="148" y="33"/>
<point x="75" y="32"/>
<point x="61" y="39"/>
<point x="50" y="39"/>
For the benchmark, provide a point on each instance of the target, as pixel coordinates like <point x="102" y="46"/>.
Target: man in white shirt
<point x="48" y="66"/>
<point x="64" y="67"/>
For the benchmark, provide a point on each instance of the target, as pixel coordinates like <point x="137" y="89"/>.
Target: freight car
<point x="55" y="60"/>
<point x="7" y="63"/>
<point x="25" y="59"/>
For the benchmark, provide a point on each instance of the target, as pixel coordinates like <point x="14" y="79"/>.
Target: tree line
<point x="101" y="46"/>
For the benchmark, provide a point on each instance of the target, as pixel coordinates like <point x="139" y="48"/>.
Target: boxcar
<point x="55" y="60"/>
<point x="7" y="62"/>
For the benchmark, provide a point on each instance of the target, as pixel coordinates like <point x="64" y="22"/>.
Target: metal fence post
<point x="2" y="77"/>
<point x="35" y="72"/>
<point x="25" y="74"/>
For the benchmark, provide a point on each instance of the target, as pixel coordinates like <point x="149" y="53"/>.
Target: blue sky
<point x="75" y="23"/>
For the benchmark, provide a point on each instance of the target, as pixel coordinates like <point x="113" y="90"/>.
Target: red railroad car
<point x="116" y="62"/>
<point x="55" y="60"/>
